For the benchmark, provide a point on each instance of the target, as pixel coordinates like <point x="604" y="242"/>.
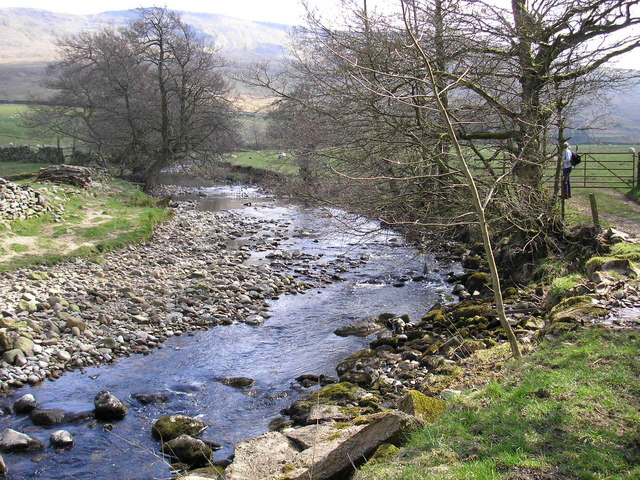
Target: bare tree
<point x="144" y="97"/>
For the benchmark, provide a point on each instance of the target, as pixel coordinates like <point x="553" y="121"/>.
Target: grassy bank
<point x="84" y="223"/>
<point x="569" y="411"/>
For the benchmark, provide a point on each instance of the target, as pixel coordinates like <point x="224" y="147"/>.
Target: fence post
<point x="594" y="211"/>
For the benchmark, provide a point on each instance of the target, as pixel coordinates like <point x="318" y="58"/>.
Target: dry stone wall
<point x="18" y="202"/>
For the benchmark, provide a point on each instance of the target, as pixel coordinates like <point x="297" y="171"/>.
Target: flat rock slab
<point x="316" y="452"/>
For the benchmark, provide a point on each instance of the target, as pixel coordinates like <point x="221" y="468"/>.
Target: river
<point x="296" y="339"/>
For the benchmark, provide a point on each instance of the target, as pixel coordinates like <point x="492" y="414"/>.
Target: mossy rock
<point x="472" y="262"/>
<point x="618" y="264"/>
<point x="576" y="310"/>
<point x="362" y="379"/>
<point x="169" y="427"/>
<point x="478" y="281"/>
<point x="384" y="454"/>
<point x="437" y="316"/>
<point x="343" y="392"/>
<point x="466" y="310"/>
<point x="434" y="384"/>
<point x="364" y="357"/>
<point x="419" y="405"/>
<point x="510" y="293"/>
<point x="393" y="342"/>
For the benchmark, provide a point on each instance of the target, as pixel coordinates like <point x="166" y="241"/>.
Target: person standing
<point x="567" y="166"/>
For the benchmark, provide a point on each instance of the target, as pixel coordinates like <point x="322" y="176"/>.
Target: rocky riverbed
<point x="191" y="275"/>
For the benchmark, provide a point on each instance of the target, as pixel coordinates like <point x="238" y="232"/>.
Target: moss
<point x="479" y="281"/>
<point x="469" y="310"/>
<point x="576" y="309"/>
<point x="435" y="316"/>
<point x="385" y="453"/>
<point x="417" y="404"/>
<point x="168" y="427"/>
<point x="561" y="285"/>
<point x="288" y="468"/>
<point x="343" y="391"/>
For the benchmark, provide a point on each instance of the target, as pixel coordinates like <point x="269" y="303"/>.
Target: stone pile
<point x="18" y="202"/>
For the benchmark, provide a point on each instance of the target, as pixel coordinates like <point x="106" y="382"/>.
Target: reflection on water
<point x="298" y="338"/>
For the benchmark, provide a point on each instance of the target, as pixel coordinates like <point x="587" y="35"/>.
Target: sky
<point x="288" y="12"/>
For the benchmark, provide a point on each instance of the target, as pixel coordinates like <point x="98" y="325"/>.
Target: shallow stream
<point x="297" y="339"/>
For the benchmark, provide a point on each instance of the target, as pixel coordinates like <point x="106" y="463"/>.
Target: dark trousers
<point x="566" y="182"/>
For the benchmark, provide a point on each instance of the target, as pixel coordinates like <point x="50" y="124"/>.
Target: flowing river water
<point x="297" y="339"/>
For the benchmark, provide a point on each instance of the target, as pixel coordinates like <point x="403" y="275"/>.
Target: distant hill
<point x="27" y="43"/>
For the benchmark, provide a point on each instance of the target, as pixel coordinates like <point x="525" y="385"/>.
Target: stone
<point x="61" y="439"/>
<point x="63" y="355"/>
<point x="391" y="427"/>
<point x="108" y="407"/>
<point x="13" y="441"/>
<point x="168" y="427"/>
<point x="3" y="468"/>
<point x="419" y="405"/>
<point x="189" y="450"/>
<point x="6" y="341"/>
<point x="361" y="328"/>
<point x="73" y="322"/>
<point x="25" y="344"/>
<point x="238" y="382"/>
<point x="47" y="417"/>
<point x="25" y="404"/>
<point x="14" y="356"/>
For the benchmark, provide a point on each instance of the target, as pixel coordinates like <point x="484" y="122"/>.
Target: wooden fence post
<point x="594" y="211"/>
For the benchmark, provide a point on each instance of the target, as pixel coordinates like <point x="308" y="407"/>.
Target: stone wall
<point x="18" y="202"/>
<point x="25" y="154"/>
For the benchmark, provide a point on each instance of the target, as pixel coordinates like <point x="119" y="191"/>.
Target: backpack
<point x="575" y="159"/>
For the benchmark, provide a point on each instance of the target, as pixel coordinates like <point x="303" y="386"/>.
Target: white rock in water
<point x="61" y="438"/>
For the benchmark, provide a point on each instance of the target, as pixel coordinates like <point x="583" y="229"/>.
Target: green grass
<point x="93" y="222"/>
<point x="569" y="411"/>
<point x="13" y="128"/>
<point x="265" y="160"/>
<point x="13" y="168"/>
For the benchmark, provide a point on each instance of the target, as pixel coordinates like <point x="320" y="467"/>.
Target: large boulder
<point x="168" y="427"/>
<point x="108" y="407"/>
<point x="317" y="452"/>
<point x="189" y="450"/>
<point x="13" y="441"/>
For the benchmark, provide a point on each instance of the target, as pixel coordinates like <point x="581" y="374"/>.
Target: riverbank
<point x="505" y="419"/>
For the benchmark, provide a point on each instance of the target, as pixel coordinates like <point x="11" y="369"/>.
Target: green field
<point x="13" y="168"/>
<point x="265" y="159"/>
<point x="13" y="128"/>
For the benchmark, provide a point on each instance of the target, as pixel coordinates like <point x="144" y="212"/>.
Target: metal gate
<point x="606" y="170"/>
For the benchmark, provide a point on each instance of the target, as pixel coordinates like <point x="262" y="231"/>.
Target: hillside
<point x="28" y="36"/>
<point x="27" y="43"/>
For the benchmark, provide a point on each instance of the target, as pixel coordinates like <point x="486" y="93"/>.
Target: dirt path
<point x="628" y="225"/>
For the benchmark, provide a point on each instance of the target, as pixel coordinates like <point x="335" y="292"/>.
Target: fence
<point x="603" y="170"/>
